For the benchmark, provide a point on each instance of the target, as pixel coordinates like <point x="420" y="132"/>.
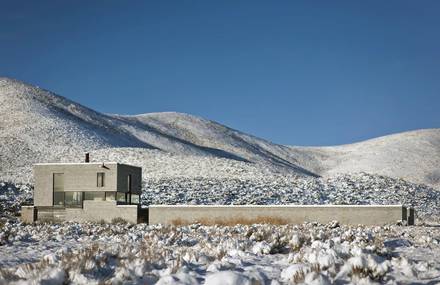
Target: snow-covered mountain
<point x="39" y="126"/>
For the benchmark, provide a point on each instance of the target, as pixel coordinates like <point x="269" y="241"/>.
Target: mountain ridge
<point x="41" y="126"/>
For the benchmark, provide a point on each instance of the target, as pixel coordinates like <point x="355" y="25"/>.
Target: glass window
<point x="94" y="196"/>
<point x="129" y="182"/>
<point x="134" y="199"/>
<point x="121" y="197"/>
<point x="73" y="199"/>
<point x="100" y="179"/>
<point x="110" y="196"/>
<point x="58" y="182"/>
<point x="58" y="199"/>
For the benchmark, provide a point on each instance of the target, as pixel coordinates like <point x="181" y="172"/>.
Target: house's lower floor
<point x="95" y="211"/>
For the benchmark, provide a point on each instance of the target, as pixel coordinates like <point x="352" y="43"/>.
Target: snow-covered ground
<point x="195" y="254"/>
<point x="244" y="254"/>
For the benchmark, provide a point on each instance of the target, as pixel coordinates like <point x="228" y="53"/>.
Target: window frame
<point x="102" y="176"/>
<point x="57" y="190"/>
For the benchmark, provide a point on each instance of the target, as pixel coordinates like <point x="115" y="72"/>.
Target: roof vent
<point x="87" y="159"/>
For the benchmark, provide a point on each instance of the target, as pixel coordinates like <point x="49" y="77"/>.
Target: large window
<point x="100" y="179"/>
<point x="73" y="199"/>
<point x="58" y="182"/>
<point x="121" y="197"/>
<point x="94" y="195"/>
<point x="58" y="189"/>
<point x="110" y="196"/>
<point x="58" y="199"/>
<point x="134" y="199"/>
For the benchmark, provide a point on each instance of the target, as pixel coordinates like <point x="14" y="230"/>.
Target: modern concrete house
<point x="85" y="192"/>
<point x="107" y="191"/>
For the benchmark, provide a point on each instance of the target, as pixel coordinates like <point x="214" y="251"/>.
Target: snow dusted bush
<point x="243" y="254"/>
<point x="12" y="196"/>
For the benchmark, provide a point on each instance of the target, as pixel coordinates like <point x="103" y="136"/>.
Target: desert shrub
<point x="235" y="221"/>
<point x="118" y="220"/>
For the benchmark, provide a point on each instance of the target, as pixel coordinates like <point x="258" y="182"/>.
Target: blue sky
<point x="293" y="72"/>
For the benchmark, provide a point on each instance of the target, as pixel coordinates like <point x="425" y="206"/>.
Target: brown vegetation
<point x="234" y="221"/>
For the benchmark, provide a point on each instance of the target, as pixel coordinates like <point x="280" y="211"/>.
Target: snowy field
<point x="195" y="254"/>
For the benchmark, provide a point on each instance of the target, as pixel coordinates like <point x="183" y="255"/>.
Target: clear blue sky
<point x="293" y="72"/>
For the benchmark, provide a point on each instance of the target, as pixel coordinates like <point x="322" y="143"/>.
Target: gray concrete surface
<point x="82" y="177"/>
<point x="288" y="214"/>
<point x="77" y="177"/>
<point x="28" y="214"/>
<point x="94" y="211"/>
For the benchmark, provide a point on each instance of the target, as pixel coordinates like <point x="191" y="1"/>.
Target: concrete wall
<point x="292" y="214"/>
<point x="94" y="211"/>
<point x="28" y="214"/>
<point x="77" y="177"/>
<point x="136" y="178"/>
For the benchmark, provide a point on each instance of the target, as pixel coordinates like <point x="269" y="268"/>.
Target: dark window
<point x="58" y="189"/>
<point x="94" y="196"/>
<point x="58" y="199"/>
<point x="100" y="179"/>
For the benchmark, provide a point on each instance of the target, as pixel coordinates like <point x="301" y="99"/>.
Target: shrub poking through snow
<point x="191" y="254"/>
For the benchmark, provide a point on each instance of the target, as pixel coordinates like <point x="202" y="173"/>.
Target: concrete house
<point x="85" y="192"/>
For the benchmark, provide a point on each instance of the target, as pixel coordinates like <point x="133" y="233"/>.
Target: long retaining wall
<point x="278" y="214"/>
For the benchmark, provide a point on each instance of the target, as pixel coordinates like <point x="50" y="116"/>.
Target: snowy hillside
<point x="39" y="126"/>
<point x="414" y="156"/>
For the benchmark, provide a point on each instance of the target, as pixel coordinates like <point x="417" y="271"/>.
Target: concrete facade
<point x="93" y="211"/>
<point x="77" y="177"/>
<point x="28" y="214"/>
<point x="82" y="179"/>
<point x="289" y="214"/>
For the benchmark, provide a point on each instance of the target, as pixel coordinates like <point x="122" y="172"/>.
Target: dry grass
<point x="233" y="221"/>
<point x="118" y="220"/>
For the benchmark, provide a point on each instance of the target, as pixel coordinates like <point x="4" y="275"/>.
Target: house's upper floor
<point x="64" y="184"/>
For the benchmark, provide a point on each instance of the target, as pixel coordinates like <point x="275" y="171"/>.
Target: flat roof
<point x="83" y="163"/>
<point x="74" y="163"/>
<point x="278" y="206"/>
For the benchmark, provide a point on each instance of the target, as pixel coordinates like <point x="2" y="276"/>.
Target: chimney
<point x="87" y="160"/>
